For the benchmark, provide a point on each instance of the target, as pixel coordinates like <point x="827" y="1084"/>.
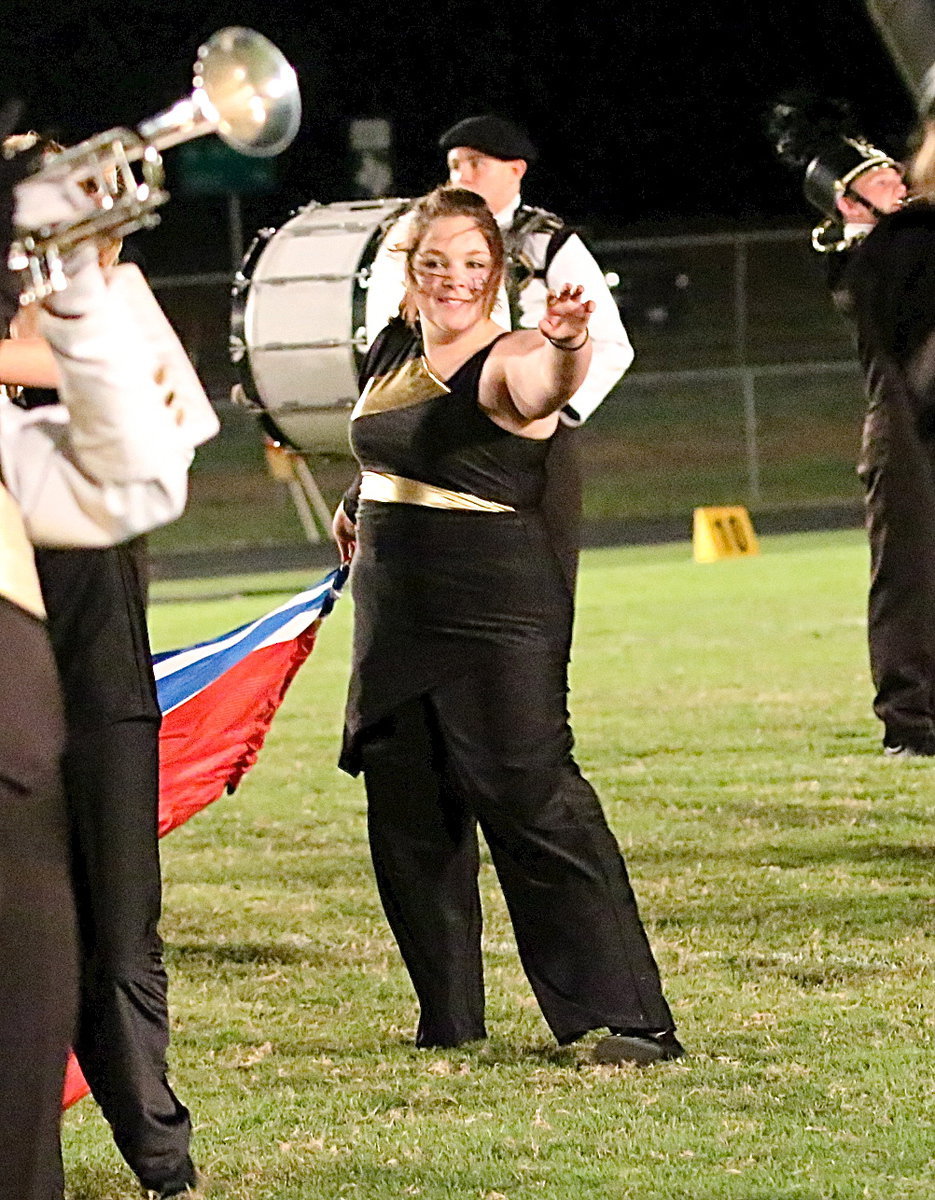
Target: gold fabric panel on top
<point x="396" y="489"/>
<point x="18" y="579"/>
<point x="412" y="383"/>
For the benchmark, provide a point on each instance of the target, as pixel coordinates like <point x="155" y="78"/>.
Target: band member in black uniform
<point x="891" y="284"/>
<point x="878" y="276"/>
<point x="96" y="604"/>
<point x="457" y="710"/>
<point x="112" y="465"/>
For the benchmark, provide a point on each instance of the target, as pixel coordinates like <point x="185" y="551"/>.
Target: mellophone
<point x="243" y="89"/>
<point x="298" y="324"/>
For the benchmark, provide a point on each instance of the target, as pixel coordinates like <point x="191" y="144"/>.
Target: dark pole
<point x="907" y="29"/>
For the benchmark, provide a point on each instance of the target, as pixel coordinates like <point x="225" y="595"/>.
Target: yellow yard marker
<point x="722" y="533"/>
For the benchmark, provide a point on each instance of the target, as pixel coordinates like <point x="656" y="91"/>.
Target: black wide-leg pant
<point x="96" y="600"/>
<point x="498" y="750"/>
<point x="38" y="967"/>
<point x="897" y="469"/>
<point x="111" y="782"/>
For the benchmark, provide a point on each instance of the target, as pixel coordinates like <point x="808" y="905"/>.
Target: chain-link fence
<point x="744" y="390"/>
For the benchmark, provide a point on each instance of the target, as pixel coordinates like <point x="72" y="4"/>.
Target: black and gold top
<point x="456" y="575"/>
<point x="411" y="425"/>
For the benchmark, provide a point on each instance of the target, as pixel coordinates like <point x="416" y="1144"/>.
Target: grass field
<point x="784" y="870"/>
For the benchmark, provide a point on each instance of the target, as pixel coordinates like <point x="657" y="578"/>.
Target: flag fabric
<point x="218" y="699"/>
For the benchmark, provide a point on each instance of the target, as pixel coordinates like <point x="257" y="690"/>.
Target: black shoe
<point x="908" y="751"/>
<point x="186" y="1187"/>
<point x="174" y="1191"/>
<point x="633" y="1046"/>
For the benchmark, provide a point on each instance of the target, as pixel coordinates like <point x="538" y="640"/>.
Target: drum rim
<point x="243" y="281"/>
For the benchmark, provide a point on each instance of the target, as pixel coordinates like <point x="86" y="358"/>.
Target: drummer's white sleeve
<point x="112" y="460"/>
<point x="613" y="352"/>
<point x="386" y="286"/>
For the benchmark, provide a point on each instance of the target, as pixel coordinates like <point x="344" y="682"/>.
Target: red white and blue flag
<point x="218" y="700"/>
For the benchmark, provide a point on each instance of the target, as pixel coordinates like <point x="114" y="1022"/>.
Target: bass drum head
<point x="298" y="320"/>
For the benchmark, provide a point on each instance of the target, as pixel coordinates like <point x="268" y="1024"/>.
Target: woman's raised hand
<point x="565" y="323"/>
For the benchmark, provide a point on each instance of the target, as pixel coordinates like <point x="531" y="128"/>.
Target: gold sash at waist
<point x="394" y="489"/>
<point x="18" y="579"/>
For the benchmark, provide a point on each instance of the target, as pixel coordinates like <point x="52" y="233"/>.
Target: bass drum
<point x="298" y="331"/>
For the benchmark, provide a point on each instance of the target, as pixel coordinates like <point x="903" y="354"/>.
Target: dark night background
<point x="647" y="116"/>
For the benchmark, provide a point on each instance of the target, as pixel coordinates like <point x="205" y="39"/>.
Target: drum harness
<point x="521" y="270"/>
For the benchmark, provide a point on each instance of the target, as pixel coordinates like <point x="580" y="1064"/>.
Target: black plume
<point x="801" y="123"/>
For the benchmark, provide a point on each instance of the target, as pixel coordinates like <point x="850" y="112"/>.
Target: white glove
<point x="42" y="202"/>
<point x="87" y="288"/>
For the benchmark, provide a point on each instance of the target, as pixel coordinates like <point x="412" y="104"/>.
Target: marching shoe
<point x="185" y="1191"/>
<point x="188" y="1188"/>
<point x="907" y="751"/>
<point x="634" y="1046"/>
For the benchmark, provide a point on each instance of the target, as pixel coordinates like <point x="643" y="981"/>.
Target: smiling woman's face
<point x="451" y="269"/>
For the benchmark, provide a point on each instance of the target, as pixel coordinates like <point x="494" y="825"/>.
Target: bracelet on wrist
<point x="561" y="344"/>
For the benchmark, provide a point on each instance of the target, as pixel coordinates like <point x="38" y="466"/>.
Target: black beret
<point x="490" y="135"/>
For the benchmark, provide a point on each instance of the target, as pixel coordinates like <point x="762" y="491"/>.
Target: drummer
<point x="491" y="156"/>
